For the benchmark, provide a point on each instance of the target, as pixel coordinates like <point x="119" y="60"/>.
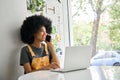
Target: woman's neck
<point x="36" y="44"/>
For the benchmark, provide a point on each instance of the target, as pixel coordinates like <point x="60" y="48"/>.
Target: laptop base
<point x="65" y="71"/>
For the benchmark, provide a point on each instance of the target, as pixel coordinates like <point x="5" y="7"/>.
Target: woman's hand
<point x="52" y="50"/>
<point x="49" y="42"/>
<point x="53" y="65"/>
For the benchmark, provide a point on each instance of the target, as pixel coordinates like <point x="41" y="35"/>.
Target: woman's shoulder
<point x="24" y="48"/>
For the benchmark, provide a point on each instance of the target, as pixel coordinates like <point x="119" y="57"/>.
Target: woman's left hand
<point x="55" y="59"/>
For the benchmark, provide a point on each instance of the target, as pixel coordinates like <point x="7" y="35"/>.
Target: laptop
<point x="76" y="58"/>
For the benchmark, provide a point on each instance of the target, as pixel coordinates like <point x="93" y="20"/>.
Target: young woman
<point x="39" y="54"/>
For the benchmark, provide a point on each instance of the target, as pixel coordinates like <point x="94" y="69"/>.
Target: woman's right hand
<point x="53" y="65"/>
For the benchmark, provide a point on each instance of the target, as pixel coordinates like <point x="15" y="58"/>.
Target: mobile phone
<point x="48" y="38"/>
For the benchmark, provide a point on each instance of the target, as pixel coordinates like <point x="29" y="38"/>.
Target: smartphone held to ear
<point x="48" y="38"/>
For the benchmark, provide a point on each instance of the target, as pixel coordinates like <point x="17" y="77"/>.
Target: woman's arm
<point x="28" y="68"/>
<point x="54" y="56"/>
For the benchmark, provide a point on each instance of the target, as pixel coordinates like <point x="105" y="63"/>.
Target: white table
<point x="92" y="73"/>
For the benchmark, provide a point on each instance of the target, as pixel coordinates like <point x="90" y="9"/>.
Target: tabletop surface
<point x="92" y="73"/>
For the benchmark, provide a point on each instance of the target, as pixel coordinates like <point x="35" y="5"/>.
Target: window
<point x="96" y="23"/>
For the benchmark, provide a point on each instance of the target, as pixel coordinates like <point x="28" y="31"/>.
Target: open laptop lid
<point x="77" y="57"/>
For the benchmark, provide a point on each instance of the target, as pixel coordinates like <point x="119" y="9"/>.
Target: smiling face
<point x="41" y="34"/>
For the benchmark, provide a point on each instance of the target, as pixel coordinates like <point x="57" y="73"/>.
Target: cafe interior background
<point x="13" y="12"/>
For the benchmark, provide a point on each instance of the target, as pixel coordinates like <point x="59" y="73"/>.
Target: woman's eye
<point x="42" y="31"/>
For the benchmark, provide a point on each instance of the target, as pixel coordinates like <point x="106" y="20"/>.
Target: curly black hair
<point x="31" y="25"/>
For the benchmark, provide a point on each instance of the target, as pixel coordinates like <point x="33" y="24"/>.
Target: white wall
<point x="12" y="14"/>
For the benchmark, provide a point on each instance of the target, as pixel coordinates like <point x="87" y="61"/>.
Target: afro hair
<point x="31" y="25"/>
